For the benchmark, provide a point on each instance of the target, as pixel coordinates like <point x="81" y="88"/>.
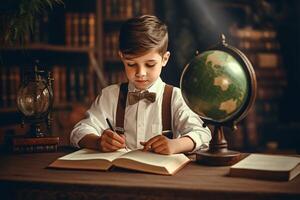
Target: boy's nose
<point x="141" y="71"/>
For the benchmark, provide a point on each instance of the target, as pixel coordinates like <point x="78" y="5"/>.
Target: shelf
<point x="8" y="110"/>
<point x="56" y="107"/>
<point x="50" y="47"/>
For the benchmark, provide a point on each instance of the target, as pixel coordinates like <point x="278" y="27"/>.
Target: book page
<point x="154" y="159"/>
<point x="268" y="162"/>
<point x="89" y="154"/>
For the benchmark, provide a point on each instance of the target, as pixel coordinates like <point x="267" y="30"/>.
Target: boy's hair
<point x="143" y="33"/>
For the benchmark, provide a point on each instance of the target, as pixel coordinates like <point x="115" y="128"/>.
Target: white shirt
<point x="142" y="120"/>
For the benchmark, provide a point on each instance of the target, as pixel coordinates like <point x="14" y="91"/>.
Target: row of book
<point x="248" y="39"/>
<point x="40" y="31"/>
<point x="110" y="45"/>
<point x="251" y="34"/>
<point x="263" y="50"/>
<point x="116" y="76"/>
<point x="261" y="46"/>
<point x="10" y="79"/>
<point x="265" y="59"/>
<point x="80" y="29"/>
<point x="123" y="9"/>
<point x="71" y="84"/>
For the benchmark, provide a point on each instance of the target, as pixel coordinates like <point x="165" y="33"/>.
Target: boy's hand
<point x="111" y="141"/>
<point x="159" y="144"/>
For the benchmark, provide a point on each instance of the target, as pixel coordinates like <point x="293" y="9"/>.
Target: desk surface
<point x="25" y="176"/>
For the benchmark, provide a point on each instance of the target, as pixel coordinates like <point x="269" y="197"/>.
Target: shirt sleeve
<point x="95" y="121"/>
<point x="188" y="123"/>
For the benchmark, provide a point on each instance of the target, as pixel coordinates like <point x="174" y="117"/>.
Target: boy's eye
<point x="130" y="64"/>
<point x="150" y="65"/>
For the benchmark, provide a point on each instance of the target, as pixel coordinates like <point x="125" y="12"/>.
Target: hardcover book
<point x="270" y="167"/>
<point x="138" y="160"/>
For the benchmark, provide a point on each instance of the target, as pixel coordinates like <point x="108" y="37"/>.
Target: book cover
<point x="138" y="160"/>
<point x="269" y="167"/>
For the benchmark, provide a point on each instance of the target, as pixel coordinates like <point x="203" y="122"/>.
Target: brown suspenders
<point x="166" y="108"/>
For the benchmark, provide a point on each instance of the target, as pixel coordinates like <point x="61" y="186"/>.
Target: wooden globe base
<point x="218" y="154"/>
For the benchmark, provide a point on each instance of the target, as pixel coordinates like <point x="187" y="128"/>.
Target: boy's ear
<point x="165" y="58"/>
<point x="120" y="54"/>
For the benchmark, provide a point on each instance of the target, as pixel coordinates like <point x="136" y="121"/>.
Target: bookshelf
<point x="78" y="43"/>
<point x="261" y="46"/>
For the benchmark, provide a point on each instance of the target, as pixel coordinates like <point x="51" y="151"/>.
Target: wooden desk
<point x="26" y="177"/>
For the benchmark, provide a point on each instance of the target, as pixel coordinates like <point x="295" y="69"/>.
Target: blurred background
<point x="78" y="42"/>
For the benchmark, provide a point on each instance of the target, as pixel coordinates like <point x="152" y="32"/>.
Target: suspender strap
<point x="166" y="110"/>
<point x="121" y="107"/>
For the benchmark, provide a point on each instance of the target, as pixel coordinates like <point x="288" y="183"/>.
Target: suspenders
<point x="166" y="108"/>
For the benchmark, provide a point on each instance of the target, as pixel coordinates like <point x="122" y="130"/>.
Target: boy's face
<point x="143" y="70"/>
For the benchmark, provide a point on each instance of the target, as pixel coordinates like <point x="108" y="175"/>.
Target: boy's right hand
<point x="111" y="141"/>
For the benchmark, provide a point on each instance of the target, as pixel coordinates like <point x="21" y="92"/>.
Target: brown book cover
<point x="75" y="29"/>
<point x="269" y="167"/>
<point x="69" y="29"/>
<point x="26" y="141"/>
<point x="92" y="30"/>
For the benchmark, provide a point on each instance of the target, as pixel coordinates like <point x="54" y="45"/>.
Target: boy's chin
<point x="141" y="86"/>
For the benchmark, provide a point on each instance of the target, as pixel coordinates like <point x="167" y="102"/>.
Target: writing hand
<point x="159" y="144"/>
<point x="111" y="141"/>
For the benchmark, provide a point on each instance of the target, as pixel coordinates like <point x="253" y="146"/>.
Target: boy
<point x="143" y="45"/>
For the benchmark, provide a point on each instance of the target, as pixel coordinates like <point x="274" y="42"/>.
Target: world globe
<point x="214" y="85"/>
<point x="220" y="86"/>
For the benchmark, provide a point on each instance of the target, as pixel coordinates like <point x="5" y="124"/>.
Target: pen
<point x="112" y="128"/>
<point x="168" y="133"/>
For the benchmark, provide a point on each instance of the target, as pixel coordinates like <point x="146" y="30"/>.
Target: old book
<point x="135" y="160"/>
<point x="270" y="167"/>
<point x="23" y="141"/>
<point x="31" y="145"/>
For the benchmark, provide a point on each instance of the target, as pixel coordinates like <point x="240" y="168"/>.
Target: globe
<point x="220" y="86"/>
<point x="215" y="85"/>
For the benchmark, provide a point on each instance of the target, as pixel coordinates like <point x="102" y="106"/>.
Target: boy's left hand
<point x="159" y="144"/>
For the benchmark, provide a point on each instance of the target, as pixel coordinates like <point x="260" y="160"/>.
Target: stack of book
<point x="34" y="145"/>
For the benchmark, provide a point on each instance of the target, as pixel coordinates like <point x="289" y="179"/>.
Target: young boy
<point x="143" y="45"/>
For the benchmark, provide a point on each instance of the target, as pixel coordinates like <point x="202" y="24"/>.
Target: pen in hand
<point x="112" y="128"/>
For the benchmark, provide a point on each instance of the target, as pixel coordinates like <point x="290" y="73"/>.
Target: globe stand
<point x="218" y="153"/>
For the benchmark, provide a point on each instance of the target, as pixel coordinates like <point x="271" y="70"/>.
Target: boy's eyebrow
<point x="151" y="60"/>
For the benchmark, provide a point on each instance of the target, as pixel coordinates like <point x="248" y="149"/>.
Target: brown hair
<point x="143" y="33"/>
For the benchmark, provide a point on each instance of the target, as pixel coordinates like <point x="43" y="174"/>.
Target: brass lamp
<point x="34" y="101"/>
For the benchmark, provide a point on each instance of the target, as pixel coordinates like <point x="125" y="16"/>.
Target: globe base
<point x="218" y="153"/>
<point x="223" y="158"/>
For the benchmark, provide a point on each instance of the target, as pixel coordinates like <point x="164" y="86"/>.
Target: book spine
<point x="34" y="148"/>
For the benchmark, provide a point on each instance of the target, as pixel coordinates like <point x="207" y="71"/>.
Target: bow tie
<point x="134" y="97"/>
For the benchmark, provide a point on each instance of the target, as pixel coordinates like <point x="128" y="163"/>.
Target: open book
<point x="136" y="160"/>
<point x="271" y="167"/>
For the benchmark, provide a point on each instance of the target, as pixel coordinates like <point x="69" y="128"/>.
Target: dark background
<point x="196" y="25"/>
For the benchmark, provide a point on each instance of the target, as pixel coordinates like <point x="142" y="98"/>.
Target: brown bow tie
<point x="134" y="97"/>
